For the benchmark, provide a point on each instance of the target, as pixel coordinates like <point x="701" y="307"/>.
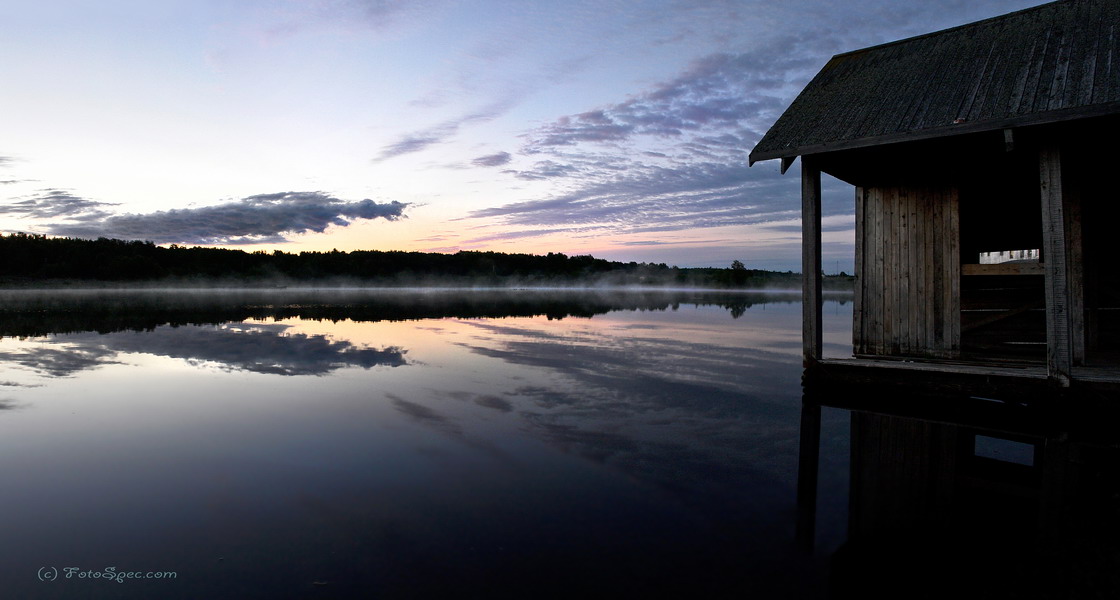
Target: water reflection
<point x="633" y="400"/>
<point x="953" y="496"/>
<point x="253" y="347"/>
<point x="35" y="313"/>
<point x="405" y="446"/>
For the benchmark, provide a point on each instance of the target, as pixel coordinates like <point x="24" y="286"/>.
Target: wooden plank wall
<point x="908" y="271"/>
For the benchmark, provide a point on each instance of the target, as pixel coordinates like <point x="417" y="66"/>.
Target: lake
<point x="411" y="444"/>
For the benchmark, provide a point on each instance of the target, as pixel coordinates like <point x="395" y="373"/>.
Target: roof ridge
<point x="971" y="24"/>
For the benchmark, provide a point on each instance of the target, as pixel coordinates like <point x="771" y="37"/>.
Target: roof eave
<point x="1057" y="116"/>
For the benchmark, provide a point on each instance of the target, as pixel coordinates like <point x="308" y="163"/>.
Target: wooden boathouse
<point x="985" y="165"/>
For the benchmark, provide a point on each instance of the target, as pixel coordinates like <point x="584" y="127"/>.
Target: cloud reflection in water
<point x="520" y="439"/>
<point x="695" y="418"/>
<point x="252" y="347"/>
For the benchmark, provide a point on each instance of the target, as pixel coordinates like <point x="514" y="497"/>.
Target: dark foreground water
<point x="292" y="444"/>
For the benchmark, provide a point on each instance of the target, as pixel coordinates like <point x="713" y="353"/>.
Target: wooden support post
<point x="1055" y="260"/>
<point x="1075" y="271"/>
<point x="808" y="465"/>
<point x="811" y="260"/>
<point x="859" y="339"/>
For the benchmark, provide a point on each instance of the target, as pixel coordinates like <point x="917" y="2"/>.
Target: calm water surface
<point x="397" y="445"/>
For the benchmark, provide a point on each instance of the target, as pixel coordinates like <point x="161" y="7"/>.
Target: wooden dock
<point x="1023" y="382"/>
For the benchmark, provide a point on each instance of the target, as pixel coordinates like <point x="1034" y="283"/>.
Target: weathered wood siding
<point x="1063" y="260"/>
<point x="908" y="271"/>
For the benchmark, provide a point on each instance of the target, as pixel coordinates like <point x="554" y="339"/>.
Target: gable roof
<point x="1050" y="63"/>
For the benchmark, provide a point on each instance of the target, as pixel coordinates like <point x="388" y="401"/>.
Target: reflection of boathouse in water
<point x="983" y="158"/>
<point x="952" y="497"/>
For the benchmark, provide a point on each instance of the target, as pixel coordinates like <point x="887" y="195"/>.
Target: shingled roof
<point x="1054" y="62"/>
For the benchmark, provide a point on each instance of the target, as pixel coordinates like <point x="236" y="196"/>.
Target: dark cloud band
<point x="56" y="203"/>
<point x="264" y="218"/>
<point x="493" y="160"/>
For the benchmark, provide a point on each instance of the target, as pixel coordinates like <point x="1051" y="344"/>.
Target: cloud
<point x="654" y="198"/>
<point x="546" y="169"/>
<point x="523" y="233"/>
<point x="415" y="142"/>
<point x="493" y="160"/>
<point x="651" y="198"/>
<point x="386" y="17"/>
<point x="376" y="12"/>
<point x="264" y="218"/>
<point x="723" y="93"/>
<point x="17" y="384"/>
<point x="672" y="157"/>
<point x="56" y="203"/>
<point x="437" y="134"/>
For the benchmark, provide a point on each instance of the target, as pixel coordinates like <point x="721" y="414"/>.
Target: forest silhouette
<point x="32" y="259"/>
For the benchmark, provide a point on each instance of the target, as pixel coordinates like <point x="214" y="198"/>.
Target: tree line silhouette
<point x="33" y="258"/>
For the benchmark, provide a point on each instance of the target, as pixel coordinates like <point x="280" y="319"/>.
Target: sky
<point x="617" y="128"/>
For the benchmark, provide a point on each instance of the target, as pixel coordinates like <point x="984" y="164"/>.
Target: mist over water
<point x="289" y="442"/>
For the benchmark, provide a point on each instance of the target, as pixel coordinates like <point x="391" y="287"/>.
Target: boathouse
<point x="984" y="160"/>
